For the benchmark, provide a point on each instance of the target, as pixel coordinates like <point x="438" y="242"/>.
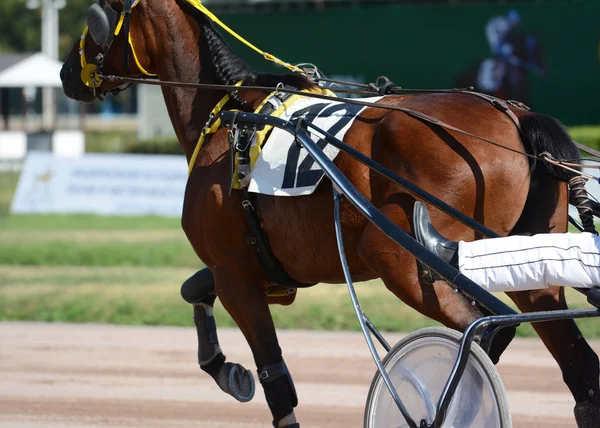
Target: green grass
<point x="8" y="184"/>
<point x="586" y="135"/>
<point x="117" y="253"/>
<point x="87" y="222"/>
<point x="85" y="240"/>
<point x="142" y="296"/>
<point x="108" y="141"/>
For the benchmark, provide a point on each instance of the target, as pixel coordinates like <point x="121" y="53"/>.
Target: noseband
<point x="104" y="24"/>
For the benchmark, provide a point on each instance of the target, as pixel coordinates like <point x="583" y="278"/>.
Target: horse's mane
<point x="230" y="68"/>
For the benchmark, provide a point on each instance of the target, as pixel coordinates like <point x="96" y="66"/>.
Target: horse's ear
<point x="98" y="24"/>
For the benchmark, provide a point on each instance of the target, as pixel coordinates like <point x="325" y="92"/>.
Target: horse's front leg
<point x="234" y="379"/>
<point x="245" y="300"/>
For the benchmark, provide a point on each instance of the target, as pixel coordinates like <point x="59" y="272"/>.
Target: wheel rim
<point x="419" y="370"/>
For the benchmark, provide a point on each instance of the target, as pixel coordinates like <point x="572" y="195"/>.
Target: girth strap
<point x="259" y="240"/>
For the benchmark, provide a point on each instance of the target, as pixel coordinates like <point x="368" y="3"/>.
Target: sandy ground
<point x="54" y="375"/>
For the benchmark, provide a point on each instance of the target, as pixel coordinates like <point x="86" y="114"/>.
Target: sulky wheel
<point x="419" y="366"/>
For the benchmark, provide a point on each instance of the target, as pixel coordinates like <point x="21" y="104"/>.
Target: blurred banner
<point x="104" y="184"/>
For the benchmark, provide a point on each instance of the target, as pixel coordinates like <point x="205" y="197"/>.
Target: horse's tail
<point x="541" y="134"/>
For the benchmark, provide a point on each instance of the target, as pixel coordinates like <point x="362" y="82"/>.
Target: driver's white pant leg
<point x="532" y="262"/>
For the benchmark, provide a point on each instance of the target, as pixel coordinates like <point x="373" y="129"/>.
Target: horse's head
<point x="104" y="49"/>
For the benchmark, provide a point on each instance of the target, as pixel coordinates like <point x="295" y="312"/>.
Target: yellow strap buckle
<point x="90" y="76"/>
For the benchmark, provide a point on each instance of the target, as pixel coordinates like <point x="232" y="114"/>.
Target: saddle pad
<point x="285" y="169"/>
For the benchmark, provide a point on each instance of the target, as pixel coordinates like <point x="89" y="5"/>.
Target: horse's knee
<point x="200" y="287"/>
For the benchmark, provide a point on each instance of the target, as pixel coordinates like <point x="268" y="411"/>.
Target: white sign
<point x="104" y="184"/>
<point x="13" y="144"/>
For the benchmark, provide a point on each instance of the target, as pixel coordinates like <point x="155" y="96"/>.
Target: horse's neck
<point x="188" y="109"/>
<point x="192" y="57"/>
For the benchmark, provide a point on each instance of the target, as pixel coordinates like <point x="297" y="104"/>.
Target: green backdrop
<point x="428" y="46"/>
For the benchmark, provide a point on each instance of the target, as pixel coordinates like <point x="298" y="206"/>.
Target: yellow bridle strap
<point x="82" y="47"/>
<point x="120" y="24"/>
<point x="122" y="18"/>
<point x="198" y="5"/>
<point x="135" y="58"/>
<point x="137" y="62"/>
<point x="89" y="74"/>
<point x="209" y="129"/>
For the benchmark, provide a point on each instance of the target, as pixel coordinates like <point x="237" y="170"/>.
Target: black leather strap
<point x="269" y="373"/>
<point x="126" y="21"/>
<point x="280" y="391"/>
<point x="259" y="239"/>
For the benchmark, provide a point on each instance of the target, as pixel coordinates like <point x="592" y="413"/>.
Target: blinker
<point x="101" y="24"/>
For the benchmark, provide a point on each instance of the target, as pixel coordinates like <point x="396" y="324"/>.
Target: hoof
<point x="236" y="381"/>
<point x="587" y="415"/>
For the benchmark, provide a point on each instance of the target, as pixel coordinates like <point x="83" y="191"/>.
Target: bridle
<point x="104" y="24"/>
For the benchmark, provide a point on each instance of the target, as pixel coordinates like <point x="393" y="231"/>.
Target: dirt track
<point x="54" y="375"/>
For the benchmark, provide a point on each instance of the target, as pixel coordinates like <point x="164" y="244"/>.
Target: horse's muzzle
<point x="72" y="85"/>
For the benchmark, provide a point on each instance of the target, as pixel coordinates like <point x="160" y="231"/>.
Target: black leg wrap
<point x="206" y="329"/>
<point x="200" y="287"/>
<point x="214" y="367"/>
<point x="232" y="378"/>
<point x="587" y="415"/>
<point x="280" y="391"/>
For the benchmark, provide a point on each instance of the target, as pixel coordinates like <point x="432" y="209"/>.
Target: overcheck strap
<point x="198" y="5"/>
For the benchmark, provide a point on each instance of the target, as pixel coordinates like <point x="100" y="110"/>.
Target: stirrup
<point x="429" y="237"/>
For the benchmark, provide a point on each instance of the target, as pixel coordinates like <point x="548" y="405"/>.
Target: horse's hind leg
<point x="546" y="211"/>
<point x="246" y="302"/>
<point x="398" y="270"/>
<point x="578" y="362"/>
<point x="235" y="380"/>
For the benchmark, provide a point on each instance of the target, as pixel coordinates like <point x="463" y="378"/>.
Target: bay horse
<point x="499" y="188"/>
